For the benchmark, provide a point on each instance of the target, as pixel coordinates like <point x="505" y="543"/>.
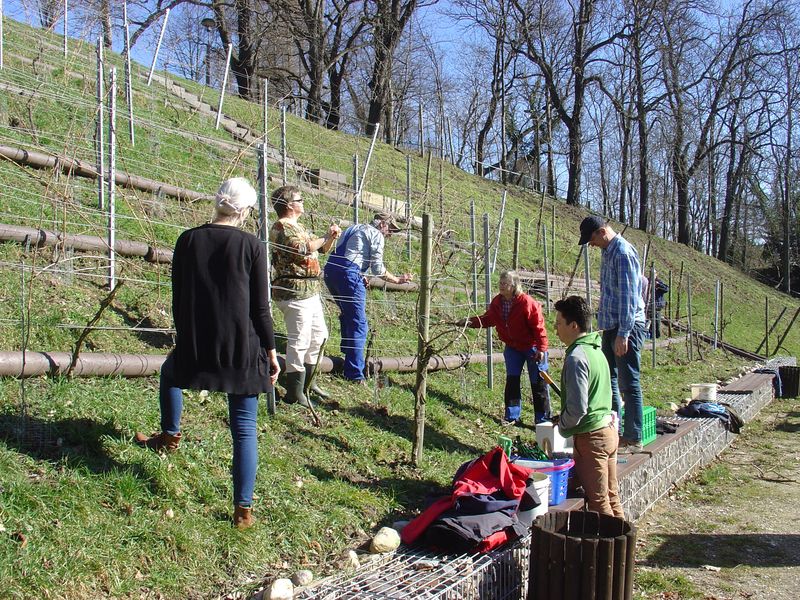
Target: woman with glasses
<point x="520" y="325"/>
<point x="295" y="290"/>
<point x="224" y="340"/>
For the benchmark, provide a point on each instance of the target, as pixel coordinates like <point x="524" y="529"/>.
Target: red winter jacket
<point x="485" y="475"/>
<point x="524" y="328"/>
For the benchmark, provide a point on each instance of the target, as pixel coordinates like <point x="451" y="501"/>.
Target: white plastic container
<point x="707" y="392"/>
<point x="550" y="440"/>
<point x="541" y="483"/>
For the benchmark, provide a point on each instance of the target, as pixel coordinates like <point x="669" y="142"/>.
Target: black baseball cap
<point x="588" y="226"/>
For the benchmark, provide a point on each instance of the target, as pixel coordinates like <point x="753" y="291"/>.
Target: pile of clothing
<point x="701" y="409"/>
<point x="491" y="502"/>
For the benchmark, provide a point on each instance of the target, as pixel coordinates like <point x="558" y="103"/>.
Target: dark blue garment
<point x="710" y="410"/>
<point x="344" y="280"/>
<point x="477" y="504"/>
<point x="625" y="383"/>
<point x="515" y="360"/>
<point x="776" y="381"/>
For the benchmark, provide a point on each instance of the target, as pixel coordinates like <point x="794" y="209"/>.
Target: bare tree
<point x="325" y="33"/>
<point x="697" y="77"/>
<point x="388" y="19"/>
<point x="564" y="44"/>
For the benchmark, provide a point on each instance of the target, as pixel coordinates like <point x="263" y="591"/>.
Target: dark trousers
<point x="515" y="361"/>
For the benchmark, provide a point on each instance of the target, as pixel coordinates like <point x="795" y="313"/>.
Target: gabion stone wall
<point x="503" y="574"/>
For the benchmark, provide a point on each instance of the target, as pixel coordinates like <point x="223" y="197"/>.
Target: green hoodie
<point x="585" y="387"/>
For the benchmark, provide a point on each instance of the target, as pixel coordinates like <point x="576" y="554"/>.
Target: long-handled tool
<point x="307" y="386"/>
<point x="546" y="376"/>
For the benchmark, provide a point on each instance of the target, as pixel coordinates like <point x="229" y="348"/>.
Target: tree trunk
<point x="491" y="112"/>
<point x="603" y="176"/>
<point x="551" y="163"/>
<point x="575" y="160"/>
<point x="641" y="123"/>
<point x="379" y="84"/>
<point x="682" y="188"/>
<point x="335" y="78"/>
<point x="316" y="65"/>
<point x="727" y="208"/>
<point x="243" y="63"/>
<point x="623" y="169"/>
<point x="786" y="256"/>
<point x="105" y="23"/>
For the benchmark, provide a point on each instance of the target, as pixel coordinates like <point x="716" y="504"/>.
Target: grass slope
<point x="83" y="513"/>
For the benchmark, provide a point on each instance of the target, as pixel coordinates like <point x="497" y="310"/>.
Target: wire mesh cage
<point x="411" y="573"/>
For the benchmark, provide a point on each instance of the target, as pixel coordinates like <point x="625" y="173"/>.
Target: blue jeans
<point x="515" y="360"/>
<point x="242" y="411"/>
<point x="625" y="384"/>
<point x="345" y="282"/>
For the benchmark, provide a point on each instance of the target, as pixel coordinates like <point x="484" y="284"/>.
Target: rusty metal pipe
<point x="73" y="166"/>
<point x="43" y="237"/>
<point x="95" y="364"/>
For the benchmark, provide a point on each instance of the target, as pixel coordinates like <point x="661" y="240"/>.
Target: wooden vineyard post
<point x="423" y="342"/>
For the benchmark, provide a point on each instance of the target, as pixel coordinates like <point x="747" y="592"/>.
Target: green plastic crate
<point x="648" y="424"/>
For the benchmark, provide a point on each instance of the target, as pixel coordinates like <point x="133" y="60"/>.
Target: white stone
<point x="386" y="540"/>
<point x="281" y="589"/>
<point x="303" y="577"/>
<point x="352" y="559"/>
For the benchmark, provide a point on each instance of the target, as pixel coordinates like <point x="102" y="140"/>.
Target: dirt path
<point x="732" y="531"/>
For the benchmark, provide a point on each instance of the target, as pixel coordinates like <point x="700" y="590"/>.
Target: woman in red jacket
<point x="520" y="325"/>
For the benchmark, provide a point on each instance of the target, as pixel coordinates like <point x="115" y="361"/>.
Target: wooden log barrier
<point x="581" y="556"/>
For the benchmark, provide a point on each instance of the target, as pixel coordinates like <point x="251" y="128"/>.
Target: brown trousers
<point x="595" y="455"/>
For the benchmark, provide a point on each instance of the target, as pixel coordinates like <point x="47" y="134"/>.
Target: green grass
<point x="95" y="505"/>
<point x="650" y="582"/>
<point x="94" y="509"/>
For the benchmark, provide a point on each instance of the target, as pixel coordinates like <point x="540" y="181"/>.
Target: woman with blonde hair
<point x="520" y="325"/>
<point x="224" y="340"/>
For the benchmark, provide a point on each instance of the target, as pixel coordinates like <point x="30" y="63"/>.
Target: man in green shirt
<point x="586" y="407"/>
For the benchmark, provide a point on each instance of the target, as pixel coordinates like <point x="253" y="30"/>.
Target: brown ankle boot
<point x="242" y="517"/>
<point x="159" y="441"/>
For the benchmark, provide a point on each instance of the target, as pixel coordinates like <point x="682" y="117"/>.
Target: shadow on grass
<point x="156" y="339"/>
<point x="788" y="427"/>
<point x="410" y="492"/>
<point x="404" y="427"/>
<point x="77" y="443"/>
<point x="456" y="406"/>
<point x="727" y="550"/>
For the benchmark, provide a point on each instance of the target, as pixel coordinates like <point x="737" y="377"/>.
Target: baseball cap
<point x="588" y="226"/>
<point x="388" y="219"/>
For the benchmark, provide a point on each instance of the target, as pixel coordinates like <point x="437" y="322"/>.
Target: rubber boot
<point x="159" y="441"/>
<point x="242" y="517"/>
<point x="294" y="382"/>
<point x="315" y="389"/>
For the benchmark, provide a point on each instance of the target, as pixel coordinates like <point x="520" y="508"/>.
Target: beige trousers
<point x="305" y="330"/>
<point x="595" y="455"/>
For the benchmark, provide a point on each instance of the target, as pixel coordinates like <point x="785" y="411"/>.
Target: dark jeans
<point x="625" y="384"/>
<point x="515" y="360"/>
<point x="242" y="411"/>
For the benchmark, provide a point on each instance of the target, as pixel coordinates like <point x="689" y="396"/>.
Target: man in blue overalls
<point x="358" y="253"/>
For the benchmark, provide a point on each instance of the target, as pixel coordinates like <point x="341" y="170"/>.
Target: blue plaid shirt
<point x="621" y="304"/>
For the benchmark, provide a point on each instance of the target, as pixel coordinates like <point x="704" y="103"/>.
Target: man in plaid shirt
<point x="621" y="317"/>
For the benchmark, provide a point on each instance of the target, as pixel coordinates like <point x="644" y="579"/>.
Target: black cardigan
<point x="219" y="303"/>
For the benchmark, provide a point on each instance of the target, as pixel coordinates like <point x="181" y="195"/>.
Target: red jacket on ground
<point x="524" y="328"/>
<point x="478" y="478"/>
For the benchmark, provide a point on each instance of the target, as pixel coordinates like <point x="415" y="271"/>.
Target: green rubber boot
<point x="294" y="382"/>
<point x="315" y="389"/>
